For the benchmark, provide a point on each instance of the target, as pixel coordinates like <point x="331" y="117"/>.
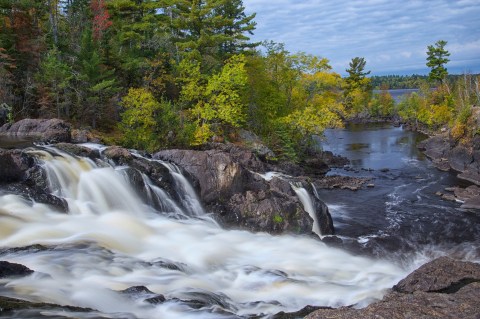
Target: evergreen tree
<point x="358" y="89"/>
<point x="436" y="60"/>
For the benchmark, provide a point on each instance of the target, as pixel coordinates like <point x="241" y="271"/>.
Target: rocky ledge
<point x="235" y="185"/>
<point x="448" y="155"/>
<point x="444" y="288"/>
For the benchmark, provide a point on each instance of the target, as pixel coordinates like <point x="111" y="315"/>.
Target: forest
<point x="151" y="74"/>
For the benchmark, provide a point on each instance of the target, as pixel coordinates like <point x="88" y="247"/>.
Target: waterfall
<point x="112" y="239"/>
<point x="302" y="195"/>
<point x="186" y="192"/>
<point x="308" y="205"/>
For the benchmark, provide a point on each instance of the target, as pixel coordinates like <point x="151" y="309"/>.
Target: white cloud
<point x="390" y="35"/>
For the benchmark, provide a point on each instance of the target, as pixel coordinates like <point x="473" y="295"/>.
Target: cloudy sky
<point x="392" y="35"/>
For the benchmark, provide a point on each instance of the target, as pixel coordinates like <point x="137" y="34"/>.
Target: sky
<point x="392" y="35"/>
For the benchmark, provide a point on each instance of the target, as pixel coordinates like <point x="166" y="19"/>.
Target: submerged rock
<point x="8" y="269"/>
<point x="443" y="288"/>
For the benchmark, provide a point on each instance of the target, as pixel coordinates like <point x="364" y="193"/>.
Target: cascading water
<point x="303" y="196"/>
<point x="110" y="240"/>
<point x="307" y="203"/>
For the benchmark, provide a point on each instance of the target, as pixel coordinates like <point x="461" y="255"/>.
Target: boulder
<point x="459" y="158"/>
<point x="119" y="155"/>
<point x="78" y="150"/>
<point x="440" y="275"/>
<point x="45" y="130"/>
<point x="219" y="176"/>
<point x="443" y="288"/>
<point x="14" y="165"/>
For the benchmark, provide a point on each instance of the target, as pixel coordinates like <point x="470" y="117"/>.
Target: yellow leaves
<point x="139" y="118"/>
<point x="217" y="99"/>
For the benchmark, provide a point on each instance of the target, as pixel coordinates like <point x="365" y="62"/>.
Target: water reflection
<point x="12" y="142"/>
<point x="374" y="146"/>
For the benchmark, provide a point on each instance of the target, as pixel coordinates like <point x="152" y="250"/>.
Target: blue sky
<point x="392" y="35"/>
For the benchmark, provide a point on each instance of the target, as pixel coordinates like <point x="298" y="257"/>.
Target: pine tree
<point x="436" y="59"/>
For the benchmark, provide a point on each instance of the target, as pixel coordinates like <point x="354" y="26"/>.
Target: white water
<point x="111" y="240"/>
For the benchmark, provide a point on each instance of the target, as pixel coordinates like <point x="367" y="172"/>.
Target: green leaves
<point x="436" y="59"/>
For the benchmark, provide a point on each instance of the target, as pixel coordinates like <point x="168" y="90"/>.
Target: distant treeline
<point x="404" y="81"/>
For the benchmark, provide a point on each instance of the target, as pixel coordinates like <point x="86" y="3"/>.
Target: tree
<point x="211" y="31"/>
<point x="436" y="59"/>
<point x="358" y="87"/>
<point x="139" y="123"/>
<point x="54" y="76"/>
<point x="356" y="74"/>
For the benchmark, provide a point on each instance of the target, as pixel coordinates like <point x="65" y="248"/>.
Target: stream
<point x="111" y="240"/>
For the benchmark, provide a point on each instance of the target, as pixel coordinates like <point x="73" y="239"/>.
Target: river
<point x="401" y="216"/>
<point x="111" y="240"/>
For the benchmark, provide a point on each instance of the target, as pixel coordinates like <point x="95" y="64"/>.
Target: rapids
<point x="111" y="239"/>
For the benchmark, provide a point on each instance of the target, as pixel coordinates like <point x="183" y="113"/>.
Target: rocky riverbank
<point x="443" y="288"/>
<point x="464" y="160"/>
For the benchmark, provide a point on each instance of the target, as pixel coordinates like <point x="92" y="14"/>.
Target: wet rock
<point x="470" y="176"/>
<point x="14" y="165"/>
<point x="464" y="194"/>
<point x="342" y="182"/>
<point x="142" y="292"/>
<point x="78" y="150"/>
<point x="45" y="130"/>
<point x="268" y="211"/>
<point x="472" y="204"/>
<point x="218" y="174"/>
<point x="12" y="304"/>
<point x="241" y="198"/>
<point x="119" y="155"/>
<point x="8" y="269"/>
<point x="443" y="288"/>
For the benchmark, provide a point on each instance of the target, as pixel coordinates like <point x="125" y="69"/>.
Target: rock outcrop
<point x="232" y="185"/>
<point x="443" y="288"/>
<point x="43" y="130"/>
<point x="447" y="155"/>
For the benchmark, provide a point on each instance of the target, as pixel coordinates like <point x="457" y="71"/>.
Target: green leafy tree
<point x="437" y="57"/>
<point x="139" y="123"/>
<point x="217" y="102"/>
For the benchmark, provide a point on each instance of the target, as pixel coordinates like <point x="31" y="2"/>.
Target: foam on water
<point x="111" y="240"/>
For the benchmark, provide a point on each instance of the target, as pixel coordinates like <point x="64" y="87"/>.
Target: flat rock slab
<point x="441" y="275"/>
<point x="443" y="288"/>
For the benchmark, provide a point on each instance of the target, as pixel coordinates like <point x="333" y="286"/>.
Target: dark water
<point x="402" y="214"/>
<point x="12" y="142"/>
